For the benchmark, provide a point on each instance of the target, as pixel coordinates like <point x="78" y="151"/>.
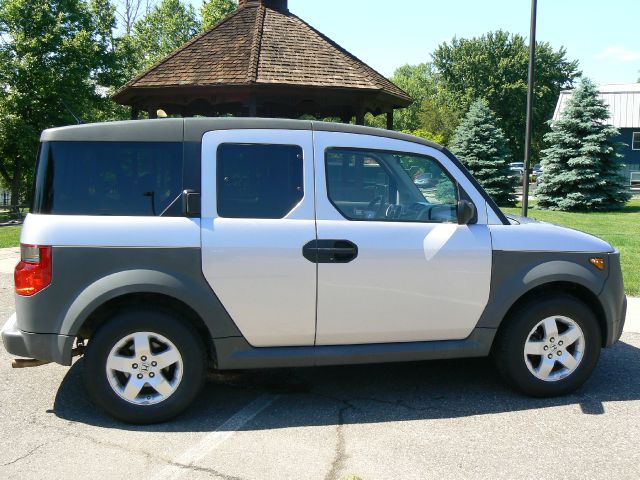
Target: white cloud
<point x="619" y="54"/>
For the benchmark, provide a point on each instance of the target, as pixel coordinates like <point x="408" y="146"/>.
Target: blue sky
<point x="601" y="34"/>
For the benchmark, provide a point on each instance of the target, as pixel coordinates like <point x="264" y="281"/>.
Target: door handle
<point x="330" y="251"/>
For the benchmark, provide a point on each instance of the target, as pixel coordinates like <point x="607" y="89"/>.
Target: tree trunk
<point x="15" y="191"/>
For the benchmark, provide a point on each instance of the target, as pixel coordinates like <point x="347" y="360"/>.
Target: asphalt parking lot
<point x="452" y="419"/>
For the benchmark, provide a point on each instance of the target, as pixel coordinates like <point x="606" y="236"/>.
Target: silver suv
<point x="162" y="248"/>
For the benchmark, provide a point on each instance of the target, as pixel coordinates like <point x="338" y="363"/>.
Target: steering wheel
<point x="377" y="205"/>
<point x="423" y="211"/>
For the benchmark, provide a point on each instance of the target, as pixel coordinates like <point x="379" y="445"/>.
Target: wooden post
<point x="390" y="120"/>
<point x="360" y="117"/>
<point x="135" y="113"/>
<point x="253" y="107"/>
<point x="153" y="111"/>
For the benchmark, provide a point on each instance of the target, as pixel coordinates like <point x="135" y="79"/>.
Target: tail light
<point x="33" y="272"/>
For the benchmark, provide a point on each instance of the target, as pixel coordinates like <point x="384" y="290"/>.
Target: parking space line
<point x="213" y="440"/>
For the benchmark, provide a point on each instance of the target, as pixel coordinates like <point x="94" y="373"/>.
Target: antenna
<point x="78" y="119"/>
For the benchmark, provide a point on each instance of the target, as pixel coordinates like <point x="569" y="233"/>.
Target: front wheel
<point x="548" y="347"/>
<point x="144" y="366"/>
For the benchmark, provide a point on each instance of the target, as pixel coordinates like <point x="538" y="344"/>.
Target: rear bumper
<point x="41" y="346"/>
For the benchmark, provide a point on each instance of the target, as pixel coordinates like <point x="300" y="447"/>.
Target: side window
<point x="108" y="178"/>
<point x="389" y="186"/>
<point x="258" y="181"/>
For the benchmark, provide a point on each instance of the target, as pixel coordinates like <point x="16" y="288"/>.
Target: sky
<point x="602" y="34"/>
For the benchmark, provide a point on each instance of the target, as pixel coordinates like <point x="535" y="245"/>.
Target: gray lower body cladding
<point x="84" y="278"/>
<point x="236" y="353"/>
<point x="515" y="273"/>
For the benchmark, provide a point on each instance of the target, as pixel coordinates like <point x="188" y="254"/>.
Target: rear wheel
<point x="144" y="366"/>
<point x="548" y="347"/>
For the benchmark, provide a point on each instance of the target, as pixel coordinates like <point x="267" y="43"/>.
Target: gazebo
<point x="262" y="60"/>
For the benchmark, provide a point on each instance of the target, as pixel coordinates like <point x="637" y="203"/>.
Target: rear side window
<point x="258" y="181"/>
<point x="108" y="178"/>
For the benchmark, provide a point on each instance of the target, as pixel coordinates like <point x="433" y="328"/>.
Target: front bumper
<point x="613" y="301"/>
<point x="41" y="346"/>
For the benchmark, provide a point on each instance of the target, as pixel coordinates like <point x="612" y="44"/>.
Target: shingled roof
<point x="263" y="45"/>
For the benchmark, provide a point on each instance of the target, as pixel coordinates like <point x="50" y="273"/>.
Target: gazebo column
<point x="135" y="113"/>
<point x="152" y="110"/>
<point x="360" y="116"/>
<point x="390" y="120"/>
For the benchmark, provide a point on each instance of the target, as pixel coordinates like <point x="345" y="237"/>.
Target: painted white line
<point x="213" y="440"/>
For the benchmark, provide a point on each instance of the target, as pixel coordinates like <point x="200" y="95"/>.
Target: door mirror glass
<point x="466" y="212"/>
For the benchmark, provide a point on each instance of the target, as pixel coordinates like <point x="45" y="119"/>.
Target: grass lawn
<point x="9" y="236"/>
<point x="621" y="229"/>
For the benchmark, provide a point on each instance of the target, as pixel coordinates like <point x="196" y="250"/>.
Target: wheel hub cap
<point x="144" y="368"/>
<point x="554" y="348"/>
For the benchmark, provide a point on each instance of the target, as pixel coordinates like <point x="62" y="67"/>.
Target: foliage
<point x="56" y="56"/>
<point x="427" y="135"/>
<point x="619" y="228"/>
<point x="213" y="11"/>
<point x="581" y="171"/>
<point x="433" y="110"/>
<point x="494" y="67"/>
<point x="481" y="145"/>
<point x="166" y="27"/>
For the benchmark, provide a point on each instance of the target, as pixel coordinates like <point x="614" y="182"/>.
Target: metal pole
<point x="527" y="140"/>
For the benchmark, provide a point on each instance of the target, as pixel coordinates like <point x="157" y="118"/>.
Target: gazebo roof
<point x="262" y="45"/>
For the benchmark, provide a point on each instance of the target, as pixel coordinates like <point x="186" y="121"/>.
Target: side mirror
<point x="466" y="212"/>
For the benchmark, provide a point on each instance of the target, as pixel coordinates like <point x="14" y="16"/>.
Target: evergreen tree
<point x="581" y="171"/>
<point x="481" y="145"/>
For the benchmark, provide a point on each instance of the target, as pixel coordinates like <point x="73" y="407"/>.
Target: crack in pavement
<point x="26" y="455"/>
<point x="149" y="457"/>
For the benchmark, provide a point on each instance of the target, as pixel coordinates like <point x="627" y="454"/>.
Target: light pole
<point x="527" y="140"/>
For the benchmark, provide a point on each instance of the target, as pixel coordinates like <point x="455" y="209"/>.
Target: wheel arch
<point x="186" y="297"/>
<point x="554" y="288"/>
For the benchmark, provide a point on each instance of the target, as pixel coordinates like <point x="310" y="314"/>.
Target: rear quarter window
<point x="107" y="178"/>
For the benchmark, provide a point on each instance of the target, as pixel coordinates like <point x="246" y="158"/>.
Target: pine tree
<point x="580" y="167"/>
<point x="481" y="145"/>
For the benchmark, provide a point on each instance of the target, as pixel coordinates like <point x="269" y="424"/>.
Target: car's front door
<point x="257" y="214"/>
<point x="393" y="263"/>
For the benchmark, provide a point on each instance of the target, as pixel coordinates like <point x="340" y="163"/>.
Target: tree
<point x="433" y="110"/>
<point x="166" y="27"/>
<point x="56" y="57"/>
<point x="494" y="66"/>
<point x="580" y="167"/>
<point x="213" y="11"/>
<point x="481" y="145"/>
<point x="129" y="11"/>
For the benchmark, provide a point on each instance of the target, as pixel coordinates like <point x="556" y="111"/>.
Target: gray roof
<point x="623" y="100"/>
<point x="192" y="130"/>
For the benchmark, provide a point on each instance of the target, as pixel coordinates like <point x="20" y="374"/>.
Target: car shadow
<point x="369" y="393"/>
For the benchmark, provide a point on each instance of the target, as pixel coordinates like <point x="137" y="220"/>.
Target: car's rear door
<point x="393" y="264"/>
<point x="257" y="214"/>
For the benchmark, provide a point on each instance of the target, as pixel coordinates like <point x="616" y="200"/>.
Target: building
<point x="623" y="100"/>
<point x="262" y="60"/>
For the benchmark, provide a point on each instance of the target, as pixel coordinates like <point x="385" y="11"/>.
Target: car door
<point x="393" y="264"/>
<point x="257" y="213"/>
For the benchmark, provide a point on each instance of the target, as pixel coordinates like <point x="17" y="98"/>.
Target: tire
<point x="115" y="366"/>
<point x="548" y="371"/>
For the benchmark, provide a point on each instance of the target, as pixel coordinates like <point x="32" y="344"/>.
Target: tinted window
<point x="259" y="181"/>
<point x="108" y="178"/>
<point x="390" y="186"/>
